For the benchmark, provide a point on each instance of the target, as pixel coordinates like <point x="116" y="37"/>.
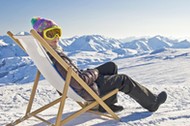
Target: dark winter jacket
<point x="89" y="76"/>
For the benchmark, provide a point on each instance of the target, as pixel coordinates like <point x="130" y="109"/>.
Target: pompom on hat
<point x="40" y="24"/>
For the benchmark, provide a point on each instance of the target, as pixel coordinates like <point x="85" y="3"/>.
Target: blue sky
<point x="111" y="18"/>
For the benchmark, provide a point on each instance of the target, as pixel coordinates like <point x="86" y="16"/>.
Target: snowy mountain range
<point x="85" y="51"/>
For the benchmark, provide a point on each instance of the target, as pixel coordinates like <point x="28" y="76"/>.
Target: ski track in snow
<point x="171" y="75"/>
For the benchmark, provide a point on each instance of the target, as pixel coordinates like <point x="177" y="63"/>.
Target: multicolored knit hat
<point x="40" y="24"/>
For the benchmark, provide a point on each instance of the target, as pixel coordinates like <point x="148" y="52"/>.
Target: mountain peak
<point x="3" y="43"/>
<point x="94" y="43"/>
<point x="23" y="33"/>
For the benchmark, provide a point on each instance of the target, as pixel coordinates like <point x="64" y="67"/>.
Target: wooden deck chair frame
<point x="61" y="100"/>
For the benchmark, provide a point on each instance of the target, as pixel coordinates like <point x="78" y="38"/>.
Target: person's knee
<point x="114" y="66"/>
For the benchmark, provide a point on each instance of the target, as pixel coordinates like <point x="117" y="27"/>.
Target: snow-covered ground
<point x="165" y="70"/>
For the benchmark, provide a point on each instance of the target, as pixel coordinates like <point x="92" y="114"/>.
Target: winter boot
<point x="114" y="108"/>
<point x="161" y="98"/>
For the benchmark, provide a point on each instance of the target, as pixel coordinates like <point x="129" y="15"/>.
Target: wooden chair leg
<point x="33" y="92"/>
<point x="64" y="96"/>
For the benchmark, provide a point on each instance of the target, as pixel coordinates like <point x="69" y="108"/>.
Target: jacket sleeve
<point x="89" y="76"/>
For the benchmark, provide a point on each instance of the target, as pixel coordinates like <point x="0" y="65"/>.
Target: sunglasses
<point x="52" y="33"/>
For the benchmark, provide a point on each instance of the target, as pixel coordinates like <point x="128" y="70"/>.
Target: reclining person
<point x="102" y="79"/>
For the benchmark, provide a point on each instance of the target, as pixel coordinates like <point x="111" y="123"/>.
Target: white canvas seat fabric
<point x="42" y="61"/>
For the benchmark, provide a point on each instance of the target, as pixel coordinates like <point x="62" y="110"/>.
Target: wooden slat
<point x="64" y="95"/>
<point x="16" y="40"/>
<point x="100" y="113"/>
<point x="33" y="92"/>
<point x="43" y="120"/>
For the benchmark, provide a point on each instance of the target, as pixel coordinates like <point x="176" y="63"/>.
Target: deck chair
<point x="36" y="47"/>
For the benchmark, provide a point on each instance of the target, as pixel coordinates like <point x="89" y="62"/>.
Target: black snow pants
<point x="109" y="79"/>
